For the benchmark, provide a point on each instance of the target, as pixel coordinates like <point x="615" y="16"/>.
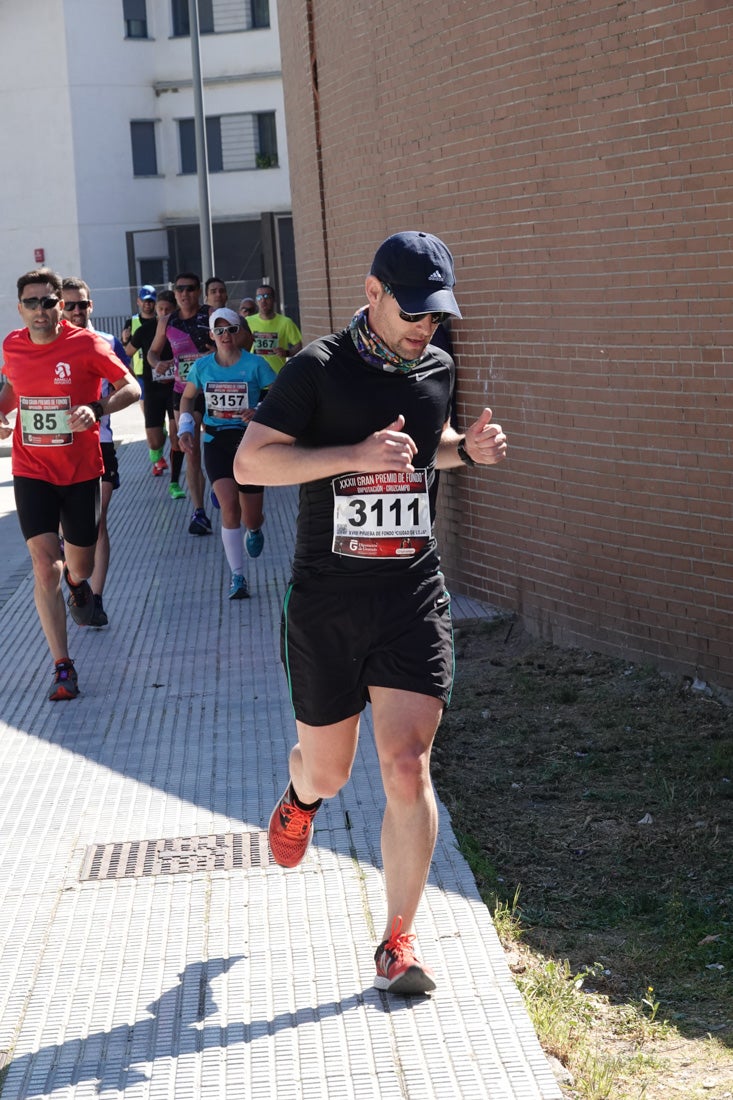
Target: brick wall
<point x="577" y="160"/>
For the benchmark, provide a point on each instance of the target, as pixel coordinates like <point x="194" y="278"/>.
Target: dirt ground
<point x="603" y="792"/>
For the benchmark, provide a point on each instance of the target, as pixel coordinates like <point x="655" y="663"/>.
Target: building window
<point x="136" y="18"/>
<point x="187" y="141"/>
<point x="181" y="23"/>
<point x="144" y="159"/>
<point x="233" y="142"/>
<point x="220" y="16"/>
<point x="266" y="140"/>
<point x="260" y="13"/>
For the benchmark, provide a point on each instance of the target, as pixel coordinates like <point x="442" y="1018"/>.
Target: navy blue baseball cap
<point x="419" y="270"/>
<point x="147" y="293"/>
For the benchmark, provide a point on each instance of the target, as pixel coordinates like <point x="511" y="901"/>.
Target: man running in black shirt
<point x="361" y="420"/>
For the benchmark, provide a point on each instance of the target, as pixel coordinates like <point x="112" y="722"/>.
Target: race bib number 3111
<point x="385" y="515"/>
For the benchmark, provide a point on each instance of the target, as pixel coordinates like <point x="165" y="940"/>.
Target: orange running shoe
<point x="290" y="830"/>
<point x="398" y="968"/>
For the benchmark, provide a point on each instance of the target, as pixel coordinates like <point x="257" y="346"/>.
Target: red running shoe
<point x="290" y="830"/>
<point x="159" y="467"/>
<point x="398" y="968"/>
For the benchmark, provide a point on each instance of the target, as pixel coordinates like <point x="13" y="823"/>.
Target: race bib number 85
<point x="385" y="515"/>
<point x="44" y="421"/>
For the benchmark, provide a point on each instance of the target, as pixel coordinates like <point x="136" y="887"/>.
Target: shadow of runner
<point x="124" y="1056"/>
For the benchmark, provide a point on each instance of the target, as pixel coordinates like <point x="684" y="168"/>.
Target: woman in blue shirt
<point x="232" y="382"/>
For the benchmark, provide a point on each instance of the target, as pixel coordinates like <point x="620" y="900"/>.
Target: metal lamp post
<point x="202" y="162"/>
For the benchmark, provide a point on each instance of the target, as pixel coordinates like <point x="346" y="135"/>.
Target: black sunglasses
<point x="69" y="307"/>
<point x="42" y="303"/>
<point x="413" y="318"/>
<point x="259" y="297"/>
<point x="225" y="328"/>
<point x="182" y="288"/>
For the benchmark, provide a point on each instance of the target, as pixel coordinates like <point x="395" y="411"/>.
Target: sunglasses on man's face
<point x="69" y="307"/>
<point x="260" y="297"/>
<point x="413" y="318"/>
<point x="40" y="303"/>
<point x="185" y="288"/>
<point x="225" y="328"/>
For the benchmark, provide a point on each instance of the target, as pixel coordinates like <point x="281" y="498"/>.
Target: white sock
<point x="233" y="548"/>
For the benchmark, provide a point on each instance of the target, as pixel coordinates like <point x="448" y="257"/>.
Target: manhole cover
<point x="182" y="855"/>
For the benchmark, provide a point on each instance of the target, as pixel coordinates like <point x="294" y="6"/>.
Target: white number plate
<point x="384" y="515"/>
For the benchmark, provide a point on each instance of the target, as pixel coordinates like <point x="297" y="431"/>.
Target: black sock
<point x="304" y="805"/>
<point x="176" y="465"/>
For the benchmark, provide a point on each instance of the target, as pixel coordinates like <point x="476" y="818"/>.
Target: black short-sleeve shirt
<point x="327" y="395"/>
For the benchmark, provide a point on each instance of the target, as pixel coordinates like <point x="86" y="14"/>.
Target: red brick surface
<point x="577" y="158"/>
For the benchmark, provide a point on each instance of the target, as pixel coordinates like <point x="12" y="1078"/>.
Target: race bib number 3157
<point x="44" y="421"/>
<point x="226" y="399"/>
<point x="384" y="515"/>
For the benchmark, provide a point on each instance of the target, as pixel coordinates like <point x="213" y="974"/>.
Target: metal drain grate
<point x="184" y="855"/>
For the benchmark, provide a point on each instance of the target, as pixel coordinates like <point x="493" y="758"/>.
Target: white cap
<point x="225" y="314"/>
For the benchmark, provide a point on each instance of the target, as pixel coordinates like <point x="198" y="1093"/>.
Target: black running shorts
<point x="158" y="403"/>
<point x="219" y="458"/>
<point x="42" y="507"/>
<point x="199" y="404"/>
<point x="111" y="468"/>
<point x="341" y="636"/>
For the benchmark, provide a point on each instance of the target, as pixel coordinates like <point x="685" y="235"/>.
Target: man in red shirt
<point x="54" y="373"/>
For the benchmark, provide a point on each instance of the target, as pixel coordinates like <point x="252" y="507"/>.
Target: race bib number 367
<point x="44" y="421"/>
<point x="385" y="515"/>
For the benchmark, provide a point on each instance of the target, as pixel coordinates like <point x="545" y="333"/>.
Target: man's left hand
<point x="485" y="442"/>
<point x="81" y="418"/>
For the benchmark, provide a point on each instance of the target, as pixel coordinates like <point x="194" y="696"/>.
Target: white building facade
<point x="100" y="160"/>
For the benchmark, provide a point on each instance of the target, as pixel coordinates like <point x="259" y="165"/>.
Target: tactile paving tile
<point x="248" y="982"/>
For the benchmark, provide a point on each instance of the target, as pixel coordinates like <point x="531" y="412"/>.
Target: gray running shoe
<point x="99" y="618"/>
<point x="200" y="523"/>
<point x="80" y="601"/>
<point x="64" y="684"/>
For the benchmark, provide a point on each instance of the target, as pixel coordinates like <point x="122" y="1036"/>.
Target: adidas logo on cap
<point x="436" y="277"/>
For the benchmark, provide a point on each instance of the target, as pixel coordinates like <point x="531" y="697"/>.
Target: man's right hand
<point x="388" y="449"/>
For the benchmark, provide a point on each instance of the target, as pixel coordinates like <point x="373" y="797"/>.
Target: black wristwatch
<point x="464" y="455"/>
<point x="96" y="407"/>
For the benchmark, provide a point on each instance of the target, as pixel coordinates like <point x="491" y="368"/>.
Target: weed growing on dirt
<point x="593" y="799"/>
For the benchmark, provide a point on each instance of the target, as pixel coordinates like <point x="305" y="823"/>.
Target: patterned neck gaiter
<point x="372" y="350"/>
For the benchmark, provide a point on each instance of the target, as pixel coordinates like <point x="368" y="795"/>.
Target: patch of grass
<point x="604" y="793"/>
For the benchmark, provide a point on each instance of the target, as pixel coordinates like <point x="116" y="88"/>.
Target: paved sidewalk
<point x="148" y="946"/>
